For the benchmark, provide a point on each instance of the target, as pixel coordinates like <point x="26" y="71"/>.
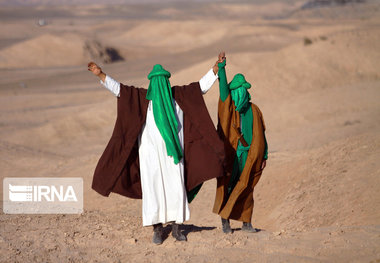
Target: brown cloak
<point x="118" y="169"/>
<point x="239" y="205"/>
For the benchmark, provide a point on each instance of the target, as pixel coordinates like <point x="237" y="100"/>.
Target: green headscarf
<point x="239" y="93"/>
<point x="160" y="93"/>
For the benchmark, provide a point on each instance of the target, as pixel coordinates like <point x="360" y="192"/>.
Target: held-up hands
<point x="221" y="58"/>
<point x="96" y="70"/>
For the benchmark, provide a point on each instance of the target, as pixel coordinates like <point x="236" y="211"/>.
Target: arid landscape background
<point x="315" y="70"/>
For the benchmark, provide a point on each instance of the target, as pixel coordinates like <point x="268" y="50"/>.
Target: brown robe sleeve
<point x="118" y="168"/>
<point x="204" y="152"/>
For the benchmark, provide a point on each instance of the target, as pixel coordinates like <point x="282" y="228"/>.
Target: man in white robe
<point x="164" y="196"/>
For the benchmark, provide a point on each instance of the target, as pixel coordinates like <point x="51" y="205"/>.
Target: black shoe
<point x="226" y="226"/>
<point x="157" y="234"/>
<point x="176" y="233"/>
<point x="247" y="227"/>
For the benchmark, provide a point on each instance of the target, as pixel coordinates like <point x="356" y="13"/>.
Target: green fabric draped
<point x="241" y="98"/>
<point x="247" y="123"/>
<point x="241" y="151"/>
<point x="239" y="81"/>
<point x="239" y="163"/>
<point x="160" y="93"/>
<point x="239" y="93"/>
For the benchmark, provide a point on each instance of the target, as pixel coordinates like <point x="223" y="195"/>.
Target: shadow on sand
<point x="185" y="229"/>
<point x="257" y="230"/>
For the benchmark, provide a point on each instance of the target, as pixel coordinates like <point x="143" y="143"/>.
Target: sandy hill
<point x="49" y="50"/>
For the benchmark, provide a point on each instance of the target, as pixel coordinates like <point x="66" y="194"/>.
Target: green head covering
<point x="160" y="93"/>
<point x="239" y="81"/>
<point x="158" y="70"/>
<point x="239" y="93"/>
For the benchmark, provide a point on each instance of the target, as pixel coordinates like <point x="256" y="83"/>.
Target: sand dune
<point x="320" y="180"/>
<point x="87" y="124"/>
<point x="56" y="51"/>
<point x="176" y="36"/>
<point x="45" y="50"/>
<point x="318" y="65"/>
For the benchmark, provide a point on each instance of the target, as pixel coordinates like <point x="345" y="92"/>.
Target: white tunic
<point x="164" y="196"/>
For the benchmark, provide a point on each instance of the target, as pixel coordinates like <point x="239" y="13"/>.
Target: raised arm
<point x="211" y="76"/>
<point x="96" y="70"/>
<point x="223" y="86"/>
<point x="108" y="82"/>
<point x="208" y="80"/>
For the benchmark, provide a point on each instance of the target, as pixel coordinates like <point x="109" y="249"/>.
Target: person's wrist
<point x="215" y="69"/>
<point x="221" y="64"/>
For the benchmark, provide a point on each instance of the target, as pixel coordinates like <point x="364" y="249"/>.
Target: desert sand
<point x="315" y="74"/>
